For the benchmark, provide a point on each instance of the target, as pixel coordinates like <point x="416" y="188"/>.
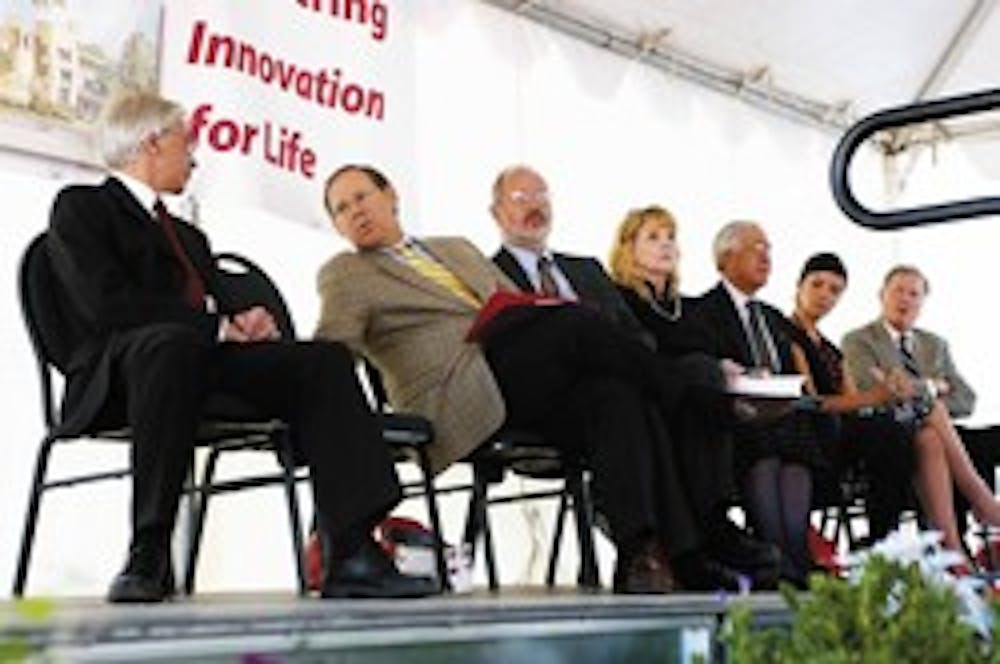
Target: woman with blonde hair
<point x="644" y="260"/>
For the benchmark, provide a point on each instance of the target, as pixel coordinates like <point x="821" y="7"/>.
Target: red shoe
<point x="824" y="552"/>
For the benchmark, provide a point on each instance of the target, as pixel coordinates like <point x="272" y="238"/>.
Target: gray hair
<point x="131" y="119"/>
<point x="728" y="239"/>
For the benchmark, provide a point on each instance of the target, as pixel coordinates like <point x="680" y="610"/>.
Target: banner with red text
<point x="281" y="92"/>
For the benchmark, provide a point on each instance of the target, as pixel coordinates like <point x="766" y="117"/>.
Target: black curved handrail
<point x="897" y="117"/>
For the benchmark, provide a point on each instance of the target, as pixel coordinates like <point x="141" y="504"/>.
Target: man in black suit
<point x="153" y="337"/>
<point x="775" y="456"/>
<point x="523" y="213"/>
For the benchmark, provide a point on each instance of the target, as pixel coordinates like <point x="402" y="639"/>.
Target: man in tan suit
<point x="407" y="304"/>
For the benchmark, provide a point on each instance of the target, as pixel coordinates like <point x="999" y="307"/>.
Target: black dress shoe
<point x="148" y="578"/>
<point x="794" y="576"/>
<point x="734" y="548"/>
<point x="645" y="572"/>
<point x="697" y="572"/>
<point x="370" y="573"/>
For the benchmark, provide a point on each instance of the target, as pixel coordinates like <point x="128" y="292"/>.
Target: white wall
<point x="608" y="134"/>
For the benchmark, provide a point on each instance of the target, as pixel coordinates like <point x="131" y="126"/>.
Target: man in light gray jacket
<point x="893" y="341"/>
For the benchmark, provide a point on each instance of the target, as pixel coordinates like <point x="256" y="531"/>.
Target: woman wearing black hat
<point x="882" y="442"/>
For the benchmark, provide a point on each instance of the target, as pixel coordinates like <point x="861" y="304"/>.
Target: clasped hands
<point x="254" y="324"/>
<point x="901" y="386"/>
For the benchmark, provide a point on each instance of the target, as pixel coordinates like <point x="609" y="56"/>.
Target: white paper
<point x="776" y="387"/>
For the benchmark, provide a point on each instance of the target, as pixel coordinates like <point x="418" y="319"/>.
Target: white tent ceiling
<point x="823" y="62"/>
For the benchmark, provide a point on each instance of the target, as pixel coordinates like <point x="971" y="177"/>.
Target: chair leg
<point x="550" y="574"/>
<point x="824" y="520"/>
<point x="583" y="515"/>
<point x="430" y="495"/>
<point x="845" y="508"/>
<point x="204" y="493"/>
<point x="294" y="519"/>
<point x="489" y="551"/>
<point x="31" y="518"/>
<point x="476" y="523"/>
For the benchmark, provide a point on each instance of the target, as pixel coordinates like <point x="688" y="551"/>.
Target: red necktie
<point x="194" y="287"/>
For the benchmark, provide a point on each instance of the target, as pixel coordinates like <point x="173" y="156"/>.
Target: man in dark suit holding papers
<point x="775" y="456"/>
<point x="408" y="305"/>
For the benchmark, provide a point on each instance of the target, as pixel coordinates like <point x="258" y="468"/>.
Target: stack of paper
<point x="770" y="387"/>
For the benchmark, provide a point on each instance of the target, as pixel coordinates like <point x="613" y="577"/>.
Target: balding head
<point x="521" y="207"/>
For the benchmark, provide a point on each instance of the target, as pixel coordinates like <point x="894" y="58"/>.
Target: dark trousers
<point x="572" y="376"/>
<point x="701" y="428"/>
<point x="162" y="377"/>
<point x="886" y="448"/>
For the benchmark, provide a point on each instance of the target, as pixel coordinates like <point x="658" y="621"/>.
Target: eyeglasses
<point x="519" y="197"/>
<point x="356" y="200"/>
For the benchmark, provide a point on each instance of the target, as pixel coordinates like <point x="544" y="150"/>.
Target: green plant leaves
<point x="890" y="614"/>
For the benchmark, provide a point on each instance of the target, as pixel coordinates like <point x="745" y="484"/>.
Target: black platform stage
<point x="520" y="625"/>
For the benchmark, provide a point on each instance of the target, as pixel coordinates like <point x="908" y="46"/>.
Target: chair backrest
<point x="43" y="310"/>
<point x="245" y="284"/>
<point x="374" y="378"/>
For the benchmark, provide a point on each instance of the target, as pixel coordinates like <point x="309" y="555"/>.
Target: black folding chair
<point x="527" y="454"/>
<point x="47" y="326"/>
<point x="244" y="284"/>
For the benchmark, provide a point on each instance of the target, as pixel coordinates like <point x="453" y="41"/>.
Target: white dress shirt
<point x="528" y="260"/>
<point x="740" y="301"/>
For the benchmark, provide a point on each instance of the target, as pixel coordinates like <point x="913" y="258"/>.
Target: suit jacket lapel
<point x="473" y="275"/>
<point x="137" y="228"/>
<point x="733" y="323"/>
<point x="126" y="201"/>
<point x="403" y="273"/>
<point x="142" y="222"/>
<point x="578" y="279"/>
<point x="506" y="261"/>
<point x="890" y="355"/>
<point x="408" y="275"/>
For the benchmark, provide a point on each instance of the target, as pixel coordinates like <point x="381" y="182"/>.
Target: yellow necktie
<point x="438" y="273"/>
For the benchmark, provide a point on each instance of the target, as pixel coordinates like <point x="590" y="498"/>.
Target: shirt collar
<point x="528" y="257"/>
<point x="141" y="191"/>
<point x="739" y="298"/>
<point x="895" y="334"/>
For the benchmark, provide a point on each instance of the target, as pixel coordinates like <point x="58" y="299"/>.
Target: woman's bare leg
<point x="984" y="504"/>
<point x="933" y="484"/>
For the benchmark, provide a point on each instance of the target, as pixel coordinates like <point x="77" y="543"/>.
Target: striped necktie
<point x="906" y="355"/>
<point x="547" y="285"/>
<point x="761" y="345"/>
<point x="437" y="273"/>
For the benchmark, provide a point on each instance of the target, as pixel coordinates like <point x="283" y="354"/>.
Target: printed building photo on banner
<point x="61" y="61"/>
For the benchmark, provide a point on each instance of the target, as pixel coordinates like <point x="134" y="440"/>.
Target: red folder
<point x="506" y="308"/>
